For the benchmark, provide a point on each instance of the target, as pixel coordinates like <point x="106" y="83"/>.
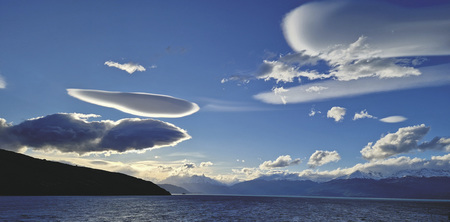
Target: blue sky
<point x="264" y="74"/>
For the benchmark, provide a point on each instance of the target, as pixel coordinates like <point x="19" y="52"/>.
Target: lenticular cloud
<point x="393" y="30"/>
<point x="140" y="104"/>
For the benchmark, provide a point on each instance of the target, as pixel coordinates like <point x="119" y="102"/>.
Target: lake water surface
<point x="218" y="208"/>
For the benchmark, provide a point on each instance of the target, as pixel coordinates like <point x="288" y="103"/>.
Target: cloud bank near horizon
<point x="139" y="104"/>
<point x="73" y="133"/>
<point x="128" y="67"/>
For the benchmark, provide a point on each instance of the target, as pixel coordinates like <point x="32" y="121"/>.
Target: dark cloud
<point x="74" y="133"/>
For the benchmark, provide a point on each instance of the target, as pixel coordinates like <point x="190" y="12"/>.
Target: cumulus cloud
<point x="321" y="157"/>
<point x="437" y="143"/>
<point x="393" y="119"/>
<point x="363" y="114"/>
<point x="281" y="161"/>
<point x="2" y="82"/>
<point x="404" y="140"/>
<point x="140" y="104"/>
<point x="74" y="133"/>
<point x="431" y="76"/>
<point x="337" y="113"/>
<point x="128" y="67"/>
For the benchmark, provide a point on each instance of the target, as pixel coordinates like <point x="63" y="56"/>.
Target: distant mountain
<point x="24" y="175"/>
<point x="405" y="187"/>
<point x="422" y="173"/>
<point x="273" y="187"/>
<point x="363" y="175"/>
<point x="198" y="184"/>
<point x="174" y="189"/>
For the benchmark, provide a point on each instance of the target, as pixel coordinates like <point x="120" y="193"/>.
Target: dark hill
<point x="24" y="175"/>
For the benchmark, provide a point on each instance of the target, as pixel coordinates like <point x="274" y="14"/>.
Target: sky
<point x="232" y="90"/>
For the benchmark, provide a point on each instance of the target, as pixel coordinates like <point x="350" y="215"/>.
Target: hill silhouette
<point x="24" y="175"/>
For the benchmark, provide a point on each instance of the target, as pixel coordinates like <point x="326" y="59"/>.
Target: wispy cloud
<point x="128" y="67"/>
<point x="431" y="76"/>
<point x="337" y="113"/>
<point x="2" y="82"/>
<point x="321" y="157"/>
<point x="140" y="104"/>
<point x="74" y="133"/>
<point x="281" y="161"/>
<point x="404" y="140"/>
<point x="362" y="115"/>
<point x="215" y="105"/>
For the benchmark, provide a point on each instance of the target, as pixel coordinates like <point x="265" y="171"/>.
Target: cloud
<point x="2" y="82"/>
<point x="404" y="140"/>
<point x="321" y="157"/>
<point x="394" y="31"/>
<point x="361" y="58"/>
<point x="214" y="105"/>
<point x="73" y="133"/>
<point x="140" y="104"/>
<point x="206" y="164"/>
<point x="128" y="67"/>
<point x="437" y="143"/>
<point x="281" y="161"/>
<point x="393" y="119"/>
<point x="431" y="76"/>
<point x="337" y="113"/>
<point x="313" y="112"/>
<point x="363" y="114"/>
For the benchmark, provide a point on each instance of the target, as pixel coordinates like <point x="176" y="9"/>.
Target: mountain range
<point x="24" y="175"/>
<point x="420" y="184"/>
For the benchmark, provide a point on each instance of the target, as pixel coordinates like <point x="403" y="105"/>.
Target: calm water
<point x="217" y="208"/>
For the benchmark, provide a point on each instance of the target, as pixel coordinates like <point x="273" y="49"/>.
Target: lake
<point x="217" y="208"/>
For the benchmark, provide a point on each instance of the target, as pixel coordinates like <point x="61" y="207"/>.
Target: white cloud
<point x="281" y="161"/>
<point x="363" y="114"/>
<point x="2" y="82"/>
<point x="393" y="119"/>
<point x="313" y="112"/>
<point x="206" y="164"/>
<point x="361" y="56"/>
<point x="404" y="140"/>
<point x="314" y="27"/>
<point x="128" y="67"/>
<point x="337" y="113"/>
<point x="140" y="104"/>
<point x="431" y="76"/>
<point x="321" y="157"/>
<point x="315" y="89"/>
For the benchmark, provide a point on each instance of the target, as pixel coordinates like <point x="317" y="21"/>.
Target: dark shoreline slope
<point x="24" y="175"/>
